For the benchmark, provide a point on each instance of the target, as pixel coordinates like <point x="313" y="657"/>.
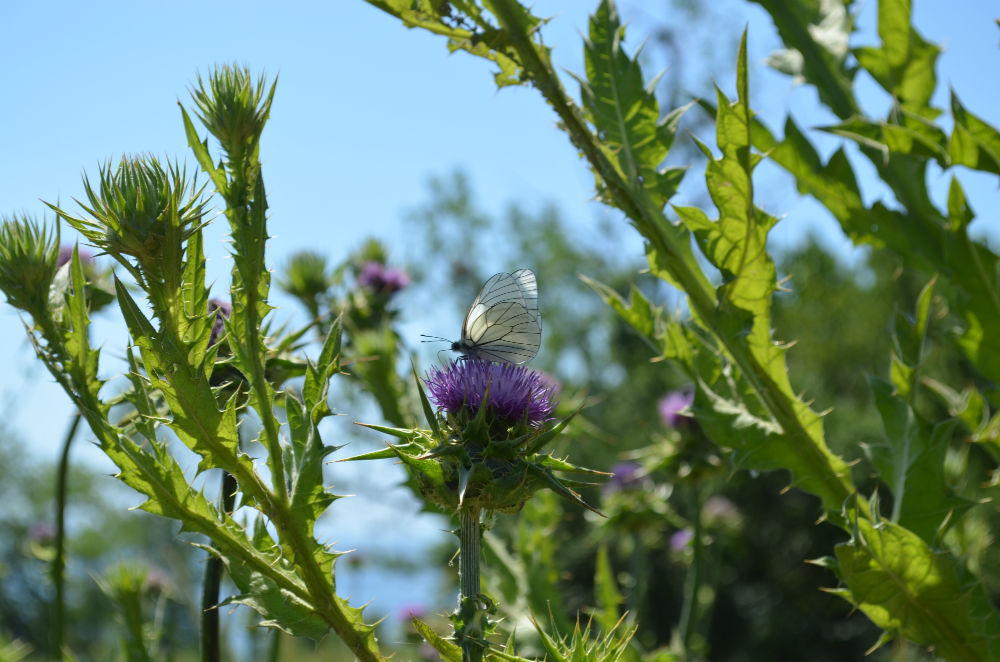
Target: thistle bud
<point x="232" y="107"/>
<point x="307" y="278"/>
<point x="28" y="262"/>
<point x="137" y="211"/>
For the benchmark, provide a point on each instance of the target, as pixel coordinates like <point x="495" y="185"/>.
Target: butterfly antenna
<point x="434" y="338"/>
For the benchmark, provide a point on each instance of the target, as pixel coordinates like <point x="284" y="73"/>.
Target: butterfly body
<point x="503" y="323"/>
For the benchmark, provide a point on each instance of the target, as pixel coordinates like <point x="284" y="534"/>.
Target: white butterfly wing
<point x="525" y="279"/>
<point x="503" y="323"/>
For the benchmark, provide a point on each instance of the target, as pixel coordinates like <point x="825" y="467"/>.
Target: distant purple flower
<point x="673" y="404"/>
<point x="680" y="539"/>
<point x="719" y="506"/>
<point x="624" y="475"/>
<point x="42" y="533"/>
<point x="386" y="280"/>
<point x="66" y="254"/>
<point x="720" y="511"/>
<point x="515" y="392"/>
<point x="157" y="581"/>
<point x="222" y="312"/>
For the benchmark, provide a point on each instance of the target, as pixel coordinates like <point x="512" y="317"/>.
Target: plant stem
<point x="692" y="583"/>
<point x="210" y="643"/>
<point x="470" y="632"/>
<point x="59" y="561"/>
<point x="274" y="649"/>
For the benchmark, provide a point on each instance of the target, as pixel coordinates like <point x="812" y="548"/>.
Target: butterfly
<point x="503" y="324"/>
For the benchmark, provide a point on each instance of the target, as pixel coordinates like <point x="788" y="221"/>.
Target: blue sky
<point x="365" y="112"/>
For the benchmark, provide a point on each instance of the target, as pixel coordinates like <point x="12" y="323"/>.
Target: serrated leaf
<point x="85" y="360"/>
<point x="609" y="598"/>
<point x="557" y="485"/>
<point x="974" y="143"/>
<point x="904" y="587"/>
<point x="200" y="149"/>
<point x="449" y="652"/>
<point x="823" y="65"/>
<point x="425" y="404"/>
<point x="315" y="389"/>
<point x="914" y="137"/>
<point x="402" y="433"/>
<point x="911" y="463"/>
<point x="195" y="416"/>
<point x="918" y="239"/>
<point x="147" y="414"/>
<point x="973" y="267"/>
<point x="625" y="111"/>
<point x="194" y="322"/>
<point x="280" y="608"/>
<point x="304" y="465"/>
<point x="728" y="402"/>
<point x="638" y="312"/>
<point x="487" y="41"/>
<point x="904" y="64"/>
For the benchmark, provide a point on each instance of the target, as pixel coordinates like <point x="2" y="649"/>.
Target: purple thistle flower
<point x="515" y="392"/>
<point x="624" y="475"/>
<point x="550" y="382"/>
<point x="222" y="312"/>
<point x="720" y="511"/>
<point x="680" y="539"/>
<point x="386" y="280"/>
<point x="66" y="254"/>
<point x="673" y="404"/>
<point x="719" y="506"/>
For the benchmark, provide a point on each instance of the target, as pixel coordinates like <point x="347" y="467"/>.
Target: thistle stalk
<point x="210" y="641"/>
<point x="471" y="632"/>
<point x="692" y="582"/>
<point x="59" y="561"/>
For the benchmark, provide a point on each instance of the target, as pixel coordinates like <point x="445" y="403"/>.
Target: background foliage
<point x="707" y="557"/>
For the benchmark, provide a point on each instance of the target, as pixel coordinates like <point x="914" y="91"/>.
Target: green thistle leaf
<point x="625" y="111"/>
<point x="904" y="587"/>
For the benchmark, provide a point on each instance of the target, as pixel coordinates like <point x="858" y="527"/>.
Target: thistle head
<point x="307" y="278"/>
<point x="232" y="106"/>
<point x="29" y="254"/>
<point x="140" y="209"/>
<point x="484" y="448"/>
<point x="381" y="279"/>
<point x="511" y="395"/>
<point x="491" y="424"/>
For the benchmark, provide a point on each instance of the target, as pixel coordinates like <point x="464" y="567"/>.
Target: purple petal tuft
<point x="222" y="311"/>
<point x="387" y="280"/>
<point x="515" y="392"/>
<point x="624" y="475"/>
<point x="673" y="404"/>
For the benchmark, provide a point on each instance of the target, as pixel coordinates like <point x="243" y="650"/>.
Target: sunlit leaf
<point x="905" y="587"/>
